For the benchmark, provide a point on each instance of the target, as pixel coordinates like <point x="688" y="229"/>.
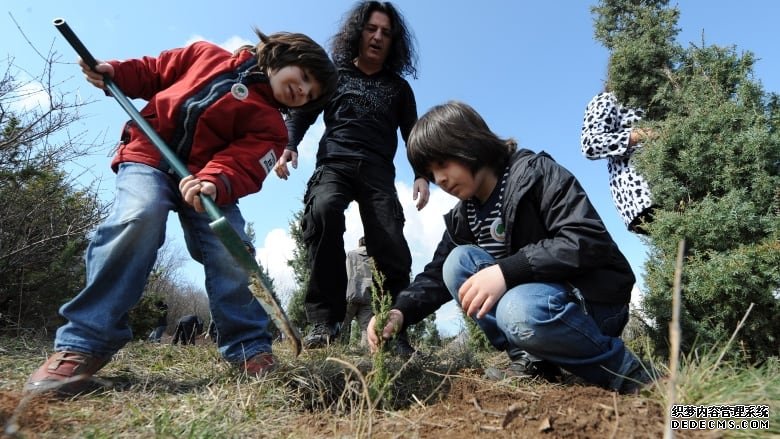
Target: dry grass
<point x="160" y="390"/>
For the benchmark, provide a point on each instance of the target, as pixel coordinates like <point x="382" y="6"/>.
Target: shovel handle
<point x="75" y="42"/>
<point x="208" y="204"/>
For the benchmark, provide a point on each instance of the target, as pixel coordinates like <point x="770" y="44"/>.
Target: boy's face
<point x="293" y="86"/>
<point x="376" y="39"/>
<point x="456" y="179"/>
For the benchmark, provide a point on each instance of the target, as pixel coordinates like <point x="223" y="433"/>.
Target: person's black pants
<point x="331" y="188"/>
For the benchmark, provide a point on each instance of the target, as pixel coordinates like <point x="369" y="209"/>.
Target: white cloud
<point x="354" y="226"/>
<point x="195" y="38"/>
<point x="423" y="229"/>
<point x="235" y="42"/>
<point x="449" y="319"/>
<point x="28" y="96"/>
<point x="230" y="44"/>
<point x="277" y="249"/>
<point x="636" y="297"/>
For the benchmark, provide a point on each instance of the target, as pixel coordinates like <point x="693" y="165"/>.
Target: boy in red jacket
<point x="220" y="113"/>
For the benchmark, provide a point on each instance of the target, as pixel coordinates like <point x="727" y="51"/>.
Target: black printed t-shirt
<point x="362" y="118"/>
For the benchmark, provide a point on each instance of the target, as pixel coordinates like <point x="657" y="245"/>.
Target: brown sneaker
<point x="65" y="372"/>
<point x="259" y="365"/>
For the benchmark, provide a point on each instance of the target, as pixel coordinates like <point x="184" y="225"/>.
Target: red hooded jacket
<point x="231" y="142"/>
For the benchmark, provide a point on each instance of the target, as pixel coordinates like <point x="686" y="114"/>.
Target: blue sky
<point x="529" y="68"/>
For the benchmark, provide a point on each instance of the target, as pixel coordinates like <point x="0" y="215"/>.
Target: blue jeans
<point x="549" y="322"/>
<point x="122" y="253"/>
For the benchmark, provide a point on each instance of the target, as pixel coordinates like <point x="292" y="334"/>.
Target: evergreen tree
<point x="640" y="37"/>
<point x="477" y="340"/>
<point x="144" y="315"/>
<point x="300" y="265"/>
<point x="425" y="333"/>
<point x="714" y="171"/>
<point x="44" y="219"/>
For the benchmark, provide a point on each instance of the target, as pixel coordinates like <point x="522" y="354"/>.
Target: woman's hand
<point x="638" y="135"/>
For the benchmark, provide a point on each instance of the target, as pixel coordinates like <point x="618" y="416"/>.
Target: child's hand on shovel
<point x="191" y="188"/>
<point x="96" y="78"/>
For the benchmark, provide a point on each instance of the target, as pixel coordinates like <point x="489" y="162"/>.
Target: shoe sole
<point x="67" y="387"/>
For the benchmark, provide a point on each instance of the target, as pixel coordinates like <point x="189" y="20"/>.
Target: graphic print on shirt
<point x="486" y="220"/>
<point x="362" y="97"/>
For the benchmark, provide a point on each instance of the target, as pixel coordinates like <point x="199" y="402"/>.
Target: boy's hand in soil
<point x="395" y="321"/>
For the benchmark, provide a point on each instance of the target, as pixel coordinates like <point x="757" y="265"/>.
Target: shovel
<point x="221" y="227"/>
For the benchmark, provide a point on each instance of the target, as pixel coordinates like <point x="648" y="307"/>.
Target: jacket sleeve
<point x="144" y="77"/>
<point x="427" y="291"/>
<point x="408" y="116"/>
<point x="602" y="135"/>
<point x="298" y="122"/>
<point x="576" y="241"/>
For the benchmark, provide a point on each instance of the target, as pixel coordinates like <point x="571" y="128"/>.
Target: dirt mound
<point x="476" y="408"/>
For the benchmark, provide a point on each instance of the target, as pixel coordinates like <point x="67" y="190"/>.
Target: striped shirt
<point x="486" y="222"/>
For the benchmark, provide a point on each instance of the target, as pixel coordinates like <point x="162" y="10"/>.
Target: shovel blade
<point x="236" y="247"/>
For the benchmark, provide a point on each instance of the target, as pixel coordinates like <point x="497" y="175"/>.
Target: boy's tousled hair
<point x="283" y="49"/>
<point x="345" y="45"/>
<point x="455" y="131"/>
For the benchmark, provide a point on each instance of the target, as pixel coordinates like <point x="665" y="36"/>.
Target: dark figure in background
<point x="212" y="333"/>
<point x="187" y="329"/>
<point x="162" y="322"/>
<point x="373" y="50"/>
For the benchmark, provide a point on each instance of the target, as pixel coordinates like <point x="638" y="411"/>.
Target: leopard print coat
<point x="606" y="129"/>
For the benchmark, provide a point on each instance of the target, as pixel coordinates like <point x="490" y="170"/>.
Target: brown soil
<point x="474" y="408"/>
